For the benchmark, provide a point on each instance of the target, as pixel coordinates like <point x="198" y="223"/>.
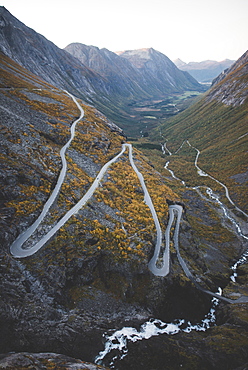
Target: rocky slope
<point x="230" y="87"/>
<point x="92" y="276"/>
<point x="205" y="71"/>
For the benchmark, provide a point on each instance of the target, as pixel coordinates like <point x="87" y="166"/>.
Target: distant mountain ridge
<point x="151" y="71"/>
<point x="206" y="70"/>
<point x="157" y="67"/>
<point x="104" y="79"/>
<point x="119" y="75"/>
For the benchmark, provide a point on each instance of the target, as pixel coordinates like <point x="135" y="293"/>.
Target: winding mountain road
<point x="16" y="248"/>
<point x="18" y="251"/>
<point x="177" y="209"/>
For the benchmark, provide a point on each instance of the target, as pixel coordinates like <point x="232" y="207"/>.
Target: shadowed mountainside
<point x="113" y="85"/>
<point x="158" y="70"/>
<point x="148" y="69"/>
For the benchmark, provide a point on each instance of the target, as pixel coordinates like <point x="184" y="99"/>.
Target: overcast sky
<point x="192" y="30"/>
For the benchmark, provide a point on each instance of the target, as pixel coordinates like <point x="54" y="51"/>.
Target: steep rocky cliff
<point x="230" y="87"/>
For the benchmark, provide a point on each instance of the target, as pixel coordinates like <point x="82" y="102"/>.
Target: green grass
<point x="218" y="132"/>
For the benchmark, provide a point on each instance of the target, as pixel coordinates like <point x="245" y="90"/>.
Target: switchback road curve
<point x="17" y="249"/>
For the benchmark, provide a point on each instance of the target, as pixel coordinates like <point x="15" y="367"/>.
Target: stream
<point x="119" y="339"/>
<point x="202" y="173"/>
<point x="211" y="196"/>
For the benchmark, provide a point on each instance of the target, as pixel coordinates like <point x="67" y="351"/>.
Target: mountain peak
<point x="3" y="9"/>
<point x="179" y="63"/>
<point x="140" y="57"/>
<point x="135" y="51"/>
<point x="137" y="54"/>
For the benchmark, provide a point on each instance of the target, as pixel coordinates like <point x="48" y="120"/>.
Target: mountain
<point x="121" y="76"/>
<point x="206" y="70"/>
<point x="230" y="87"/>
<point x="159" y="70"/>
<point x="90" y="281"/>
<point x="41" y="57"/>
<point x="217" y="126"/>
<point x="148" y="93"/>
<point x="156" y="76"/>
<point x="112" y="92"/>
<point x="179" y="63"/>
<point x="92" y="275"/>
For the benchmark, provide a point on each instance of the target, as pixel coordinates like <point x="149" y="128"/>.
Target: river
<point x="119" y="339"/>
<point x="211" y="196"/>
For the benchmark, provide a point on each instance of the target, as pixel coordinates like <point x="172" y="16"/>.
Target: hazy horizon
<point x="193" y="30"/>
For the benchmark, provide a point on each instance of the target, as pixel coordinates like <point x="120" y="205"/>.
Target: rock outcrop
<point x="25" y="360"/>
<point x="230" y="87"/>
